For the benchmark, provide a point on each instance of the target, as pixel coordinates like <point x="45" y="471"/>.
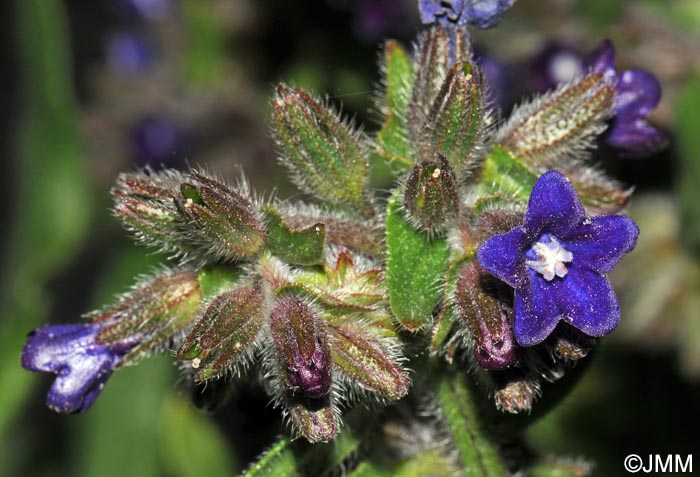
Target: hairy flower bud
<point x="558" y="125"/>
<point x="516" y="394"/>
<point x="431" y="194"/>
<point x="439" y="49"/>
<point x="302" y="349"/>
<point x="225" y="331"/>
<point x="152" y="314"/>
<point x="456" y="119"/>
<point x="144" y="204"/>
<point x="326" y="156"/>
<point x="225" y="221"/>
<point x="486" y="319"/>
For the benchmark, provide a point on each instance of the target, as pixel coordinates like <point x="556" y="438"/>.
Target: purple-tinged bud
<point x="152" y="314"/>
<point x="225" y="331"/>
<point x="431" y="194"/>
<point x="517" y="394"/>
<point x="81" y="364"/>
<point x="314" y="418"/>
<point x="301" y="345"/>
<point x="486" y="318"/>
<point x="221" y="218"/>
<point x="569" y="344"/>
<point x="144" y="204"/>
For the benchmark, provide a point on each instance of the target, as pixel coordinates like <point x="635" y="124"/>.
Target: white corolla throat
<point x="548" y="258"/>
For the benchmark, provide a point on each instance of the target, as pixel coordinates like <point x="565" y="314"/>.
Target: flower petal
<point x="535" y="310"/>
<point x="602" y="60"/>
<point x="554" y="206"/>
<point x="635" y="137"/>
<point x="637" y="93"/>
<point x="502" y="256"/>
<point x="79" y="382"/>
<point x="588" y="302"/>
<point x="600" y="244"/>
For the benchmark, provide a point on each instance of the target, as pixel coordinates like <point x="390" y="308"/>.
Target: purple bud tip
<point x="82" y="365"/>
<point x="312" y="376"/>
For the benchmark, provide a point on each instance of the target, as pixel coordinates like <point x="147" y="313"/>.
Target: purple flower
<point x="553" y="65"/>
<point x="637" y="93"/>
<point x="557" y="263"/>
<point x="158" y="140"/>
<point x="129" y="53"/>
<point x="81" y="364"/>
<point x="480" y="13"/>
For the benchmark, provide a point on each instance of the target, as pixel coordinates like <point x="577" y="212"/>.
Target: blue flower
<point x="557" y="262"/>
<point x="637" y="94"/>
<point x="480" y="13"/>
<point x="81" y="364"/>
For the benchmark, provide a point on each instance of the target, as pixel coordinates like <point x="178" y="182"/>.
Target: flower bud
<point x="431" y="194"/>
<point x="486" y="319"/>
<point x="152" y="314"/>
<point x="325" y="155"/>
<point x="314" y="418"/>
<point x="439" y="49"/>
<point x="224" y="220"/>
<point x="301" y="345"/>
<point x="456" y="121"/>
<point x="561" y="124"/>
<point x="516" y="394"/>
<point x="144" y="204"/>
<point x="225" y="331"/>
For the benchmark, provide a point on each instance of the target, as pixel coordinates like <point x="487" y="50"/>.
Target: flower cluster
<point x="493" y="249"/>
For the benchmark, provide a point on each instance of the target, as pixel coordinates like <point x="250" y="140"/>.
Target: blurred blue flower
<point x="147" y="9"/>
<point x="637" y="94"/>
<point x="553" y="65"/>
<point x="129" y="53"/>
<point x="557" y="262"/>
<point x="480" y="13"/>
<point x="80" y="363"/>
<point x="157" y="141"/>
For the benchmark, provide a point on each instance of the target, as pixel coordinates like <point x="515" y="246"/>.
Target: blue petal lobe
<point x="535" y="311"/>
<point x="600" y="244"/>
<point x="554" y="206"/>
<point x="502" y="256"/>
<point x="588" y="302"/>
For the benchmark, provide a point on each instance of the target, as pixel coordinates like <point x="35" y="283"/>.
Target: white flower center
<point x="548" y="258"/>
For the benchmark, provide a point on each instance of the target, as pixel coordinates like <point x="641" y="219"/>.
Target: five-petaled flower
<point x="82" y="365"/>
<point x="480" y="13"/>
<point x="557" y="263"/>
<point x="637" y="94"/>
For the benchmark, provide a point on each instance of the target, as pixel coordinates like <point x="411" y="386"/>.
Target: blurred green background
<point x="92" y="88"/>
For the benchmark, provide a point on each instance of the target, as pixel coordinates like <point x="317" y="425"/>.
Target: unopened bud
<point x="314" y="418"/>
<point x="516" y="394"/>
<point x="439" y="49"/>
<point x="431" y="194"/>
<point x="225" y="331"/>
<point x="144" y="204"/>
<point x="326" y="156"/>
<point x="223" y="219"/>
<point x="486" y="319"/>
<point x="152" y="314"/>
<point x="301" y="345"/>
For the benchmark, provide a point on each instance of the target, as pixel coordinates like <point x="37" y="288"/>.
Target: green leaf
<point x="393" y="139"/>
<point x="477" y="450"/>
<point x="433" y="463"/>
<point x="53" y="202"/>
<point x="191" y="444"/>
<point x="327" y="157"/>
<point x="415" y="268"/>
<point x="687" y="127"/>
<point x="279" y="460"/>
<point x="505" y="177"/>
<point x="298" y="247"/>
